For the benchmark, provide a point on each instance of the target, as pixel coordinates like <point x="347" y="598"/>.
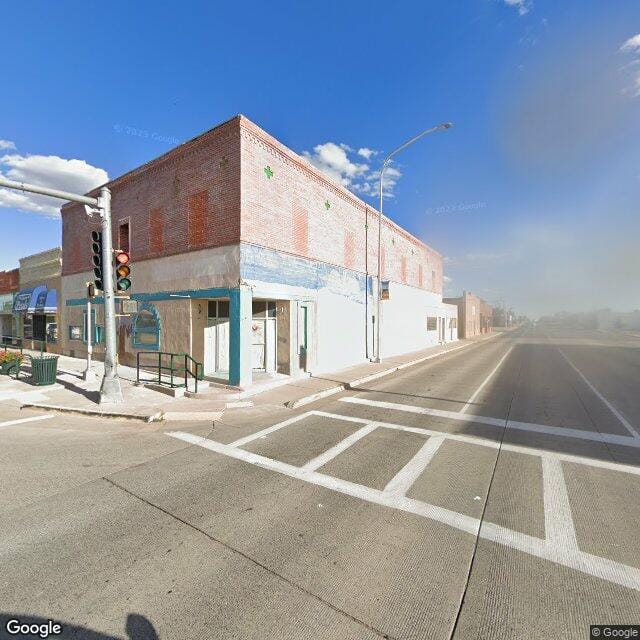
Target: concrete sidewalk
<point x="72" y="394"/>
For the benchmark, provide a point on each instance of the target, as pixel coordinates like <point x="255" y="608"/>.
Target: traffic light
<point x="96" y="248"/>
<point x="123" y="270"/>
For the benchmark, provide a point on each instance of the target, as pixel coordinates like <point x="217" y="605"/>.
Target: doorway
<point x="216" y="338"/>
<point x="263" y="336"/>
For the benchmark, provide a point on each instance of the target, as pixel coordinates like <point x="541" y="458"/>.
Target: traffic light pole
<point x="110" y="390"/>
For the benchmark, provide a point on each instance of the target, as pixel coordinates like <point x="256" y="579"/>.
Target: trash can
<point x="44" y="369"/>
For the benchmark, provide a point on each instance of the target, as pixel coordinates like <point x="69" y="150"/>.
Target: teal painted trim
<point x="216" y="292"/>
<point x="240" y="336"/>
<point x="82" y="302"/>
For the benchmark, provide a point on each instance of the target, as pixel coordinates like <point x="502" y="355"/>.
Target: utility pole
<point x="110" y="391"/>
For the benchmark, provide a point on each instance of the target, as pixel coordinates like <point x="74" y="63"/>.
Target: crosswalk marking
<point x="558" y="520"/>
<point x="559" y="546"/>
<point x="565" y="432"/>
<point x="402" y="481"/>
<point x="343" y="445"/>
<point x="12" y="423"/>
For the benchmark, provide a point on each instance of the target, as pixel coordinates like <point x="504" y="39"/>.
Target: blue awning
<point x="30" y="300"/>
<point x="51" y="303"/>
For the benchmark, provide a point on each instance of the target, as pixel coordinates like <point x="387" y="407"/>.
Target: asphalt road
<point x="492" y="493"/>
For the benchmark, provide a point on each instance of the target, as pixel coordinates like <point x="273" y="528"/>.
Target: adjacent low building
<point x="475" y="316"/>
<point x="9" y="283"/>
<point x="35" y="304"/>
<point x="251" y="260"/>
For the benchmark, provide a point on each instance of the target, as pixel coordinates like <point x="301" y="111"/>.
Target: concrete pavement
<point x="488" y="493"/>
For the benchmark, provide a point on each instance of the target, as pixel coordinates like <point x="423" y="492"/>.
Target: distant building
<point x="475" y="316"/>
<point x="35" y="305"/>
<point x="9" y="284"/>
<point x="250" y="259"/>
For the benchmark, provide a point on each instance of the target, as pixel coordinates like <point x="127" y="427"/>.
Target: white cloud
<point x="447" y="279"/>
<point x="366" y="153"/>
<point x="7" y="144"/>
<point x="334" y="160"/>
<point x="76" y="176"/>
<point x="523" y="6"/>
<point x="632" y="44"/>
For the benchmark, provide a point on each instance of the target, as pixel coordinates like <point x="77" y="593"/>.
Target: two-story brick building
<point x="250" y="259"/>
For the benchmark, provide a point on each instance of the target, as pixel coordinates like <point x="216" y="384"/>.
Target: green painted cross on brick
<point x="268" y="172"/>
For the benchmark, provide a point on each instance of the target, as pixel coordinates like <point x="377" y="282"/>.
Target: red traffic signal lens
<point x="122" y="257"/>
<point x="123" y="271"/>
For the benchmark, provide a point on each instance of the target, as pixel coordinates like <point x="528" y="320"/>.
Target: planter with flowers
<point x="10" y="362"/>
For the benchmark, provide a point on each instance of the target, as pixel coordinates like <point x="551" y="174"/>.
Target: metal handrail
<point x="13" y="339"/>
<point x="184" y="369"/>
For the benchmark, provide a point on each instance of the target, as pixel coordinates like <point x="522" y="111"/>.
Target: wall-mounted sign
<point x="129" y="306"/>
<point x="384" y="290"/>
<point x="40" y="302"/>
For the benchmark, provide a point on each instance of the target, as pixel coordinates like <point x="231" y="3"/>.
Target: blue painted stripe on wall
<point x="267" y="265"/>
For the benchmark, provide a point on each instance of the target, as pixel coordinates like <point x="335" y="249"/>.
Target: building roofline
<point x="247" y="124"/>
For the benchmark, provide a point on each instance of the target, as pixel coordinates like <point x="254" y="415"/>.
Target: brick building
<point x="475" y="316"/>
<point x="250" y="259"/>
<point x="9" y="283"/>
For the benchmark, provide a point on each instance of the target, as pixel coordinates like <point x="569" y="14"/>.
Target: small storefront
<point x="263" y="337"/>
<point x="7" y="328"/>
<point x="34" y="311"/>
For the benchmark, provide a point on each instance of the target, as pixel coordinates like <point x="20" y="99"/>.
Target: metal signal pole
<point x="110" y="391"/>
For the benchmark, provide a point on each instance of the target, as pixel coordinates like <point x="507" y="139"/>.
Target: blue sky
<point x="532" y="196"/>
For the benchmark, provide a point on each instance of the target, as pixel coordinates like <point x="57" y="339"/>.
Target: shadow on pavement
<point x="137" y="628"/>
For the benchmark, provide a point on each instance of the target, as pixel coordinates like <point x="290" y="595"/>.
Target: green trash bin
<point x="44" y="369"/>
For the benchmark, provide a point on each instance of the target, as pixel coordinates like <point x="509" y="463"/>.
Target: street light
<point x="440" y="127"/>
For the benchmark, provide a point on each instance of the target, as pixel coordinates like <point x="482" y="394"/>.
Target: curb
<point x="96" y="413"/>
<point x="346" y="386"/>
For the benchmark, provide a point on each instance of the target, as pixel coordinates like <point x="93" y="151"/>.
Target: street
<point x="490" y="493"/>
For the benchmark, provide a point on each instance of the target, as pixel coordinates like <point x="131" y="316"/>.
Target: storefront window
<point x="146" y="328"/>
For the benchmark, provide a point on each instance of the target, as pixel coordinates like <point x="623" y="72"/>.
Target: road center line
<point x="484" y="382"/>
<point x="10" y="423"/>
<point x="565" y="432"/>
<point x="625" y="423"/>
<point x="402" y="481"/>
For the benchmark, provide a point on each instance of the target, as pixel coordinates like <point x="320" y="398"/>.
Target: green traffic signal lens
<point x="123" y="284"/>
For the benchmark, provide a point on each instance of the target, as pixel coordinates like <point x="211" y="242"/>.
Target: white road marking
<point x="484" y="382"/>
<point x="11" y="423"/>
<point x="625" y="423"/>
<point x="558" y="521"/>
<point x="343" y="445"/>
<point x="404" y="479"/>
<point x="565" y="432"/>
<point x="570" y="557"/>
<point x="493" y="444"/>
<point x="265" y="432"/>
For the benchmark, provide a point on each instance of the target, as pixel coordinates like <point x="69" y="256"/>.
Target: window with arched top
<point x="146" y="328"/>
